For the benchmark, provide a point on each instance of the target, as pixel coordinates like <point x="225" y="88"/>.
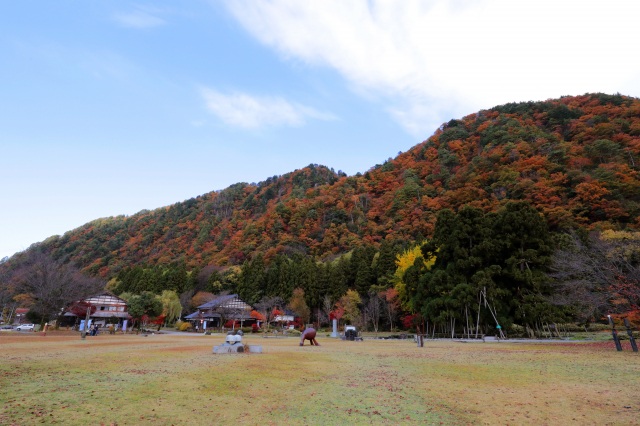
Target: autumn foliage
<point x="575" y="160"/>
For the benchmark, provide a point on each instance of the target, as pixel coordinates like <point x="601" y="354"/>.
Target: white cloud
<point x="243" y="110"/>
<point x="441" y="59"/>
<point x="140" y="18"/>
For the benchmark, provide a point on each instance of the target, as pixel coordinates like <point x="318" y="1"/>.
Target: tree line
<point x="479" y="270"/>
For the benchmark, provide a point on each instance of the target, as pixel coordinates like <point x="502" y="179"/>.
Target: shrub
<point x="184" y="326"/>
<point x="516" y="330"/>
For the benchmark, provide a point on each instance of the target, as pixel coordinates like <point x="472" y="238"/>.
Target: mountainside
<point x="575" y="159"/>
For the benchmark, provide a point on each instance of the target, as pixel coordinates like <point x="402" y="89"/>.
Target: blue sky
<point x="111" y="107"/>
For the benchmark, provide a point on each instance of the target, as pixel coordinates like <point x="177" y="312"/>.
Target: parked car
<point x="25" y="327"/>
<point x="6" y="327"/>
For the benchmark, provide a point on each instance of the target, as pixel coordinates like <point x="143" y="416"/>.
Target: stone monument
<point x="233" y="345"/>
<point x="334" y="333"/>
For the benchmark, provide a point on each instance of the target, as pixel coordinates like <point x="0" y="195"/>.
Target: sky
<point x="111" y="107"/>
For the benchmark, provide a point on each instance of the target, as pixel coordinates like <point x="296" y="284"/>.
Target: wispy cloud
<point x="243" y="110"/>
<point x="431" y="60"/>
<point x="140" y="18"/>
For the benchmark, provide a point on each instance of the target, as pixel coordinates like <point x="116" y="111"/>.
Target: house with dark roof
<point x="222" y="309"/>
<point x="108" y="309"/>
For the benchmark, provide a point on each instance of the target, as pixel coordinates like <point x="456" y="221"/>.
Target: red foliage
<point x="232" y="324"/>
<point x="510" y="152"/>
<point x="632" y="316"/>
<point x="158" y="320"/>
<point x="297" y="323"/>
<point x="79" y="309"/>
<point x="337" y="313"/>
<point x="407" y="321"/>
<point x="257" y="315"/>
<point x="412" y="321"/>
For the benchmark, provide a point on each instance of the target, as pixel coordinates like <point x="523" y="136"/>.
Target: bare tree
<point x="596" y="276"/>
<point x="267" y="305"/>
<point x="373" y="310"/>
<point x="327" y="306"/>
<point x="391" y="305"/>
<point x="50" y="285"/>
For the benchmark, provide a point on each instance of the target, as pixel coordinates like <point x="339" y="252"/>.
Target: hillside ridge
<point x="575" y="159"/>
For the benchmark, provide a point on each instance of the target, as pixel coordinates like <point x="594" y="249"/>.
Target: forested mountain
<point x="575" y="159"/>
<point x="496" y="205"/>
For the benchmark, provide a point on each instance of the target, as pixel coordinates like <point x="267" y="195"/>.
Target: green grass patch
<point x="177" y="380"/>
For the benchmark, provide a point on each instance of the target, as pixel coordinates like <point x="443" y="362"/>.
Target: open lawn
<point x="176" y="380"/>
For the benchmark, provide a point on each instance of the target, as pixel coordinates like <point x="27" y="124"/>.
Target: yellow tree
<point x="171" y="306"/>
<point x="351" y="302"/>
<point x="404" y="261"/>
<point x="298" y="305"/>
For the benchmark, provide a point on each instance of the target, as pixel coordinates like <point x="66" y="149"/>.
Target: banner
<point x="124" y="326"/>
<point x="81" y="328"/>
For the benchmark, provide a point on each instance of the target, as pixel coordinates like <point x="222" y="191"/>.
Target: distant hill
<point x="576" y="159"/>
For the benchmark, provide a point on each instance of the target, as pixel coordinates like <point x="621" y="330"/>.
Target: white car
<point x="25" y="327"/>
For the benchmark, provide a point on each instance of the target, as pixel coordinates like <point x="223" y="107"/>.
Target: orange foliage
<point x="539" y="152"/>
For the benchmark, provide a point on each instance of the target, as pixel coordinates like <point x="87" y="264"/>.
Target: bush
<point x="599" y="327"/>
<point x="184" y="326"/>
<point x="293" y="332"/>
<point x="516" y="330"/>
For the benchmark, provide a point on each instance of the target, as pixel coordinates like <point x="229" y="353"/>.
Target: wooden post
<point x="614" y="333"/>
<point x="632" y="339"/>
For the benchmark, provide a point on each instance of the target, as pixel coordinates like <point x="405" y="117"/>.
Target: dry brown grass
<point x="176" y="380"/>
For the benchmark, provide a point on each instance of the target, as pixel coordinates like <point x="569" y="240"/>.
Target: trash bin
<point x="350" y="335"/>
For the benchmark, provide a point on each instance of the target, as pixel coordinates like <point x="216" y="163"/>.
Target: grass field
<point x="176" y="380"/>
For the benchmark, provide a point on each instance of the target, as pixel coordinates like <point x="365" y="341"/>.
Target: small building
<point x="20" y="315"/>
<point x="222" y="309"/>
<point x="285" y="319"/>
<point x="109" y="308"/>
